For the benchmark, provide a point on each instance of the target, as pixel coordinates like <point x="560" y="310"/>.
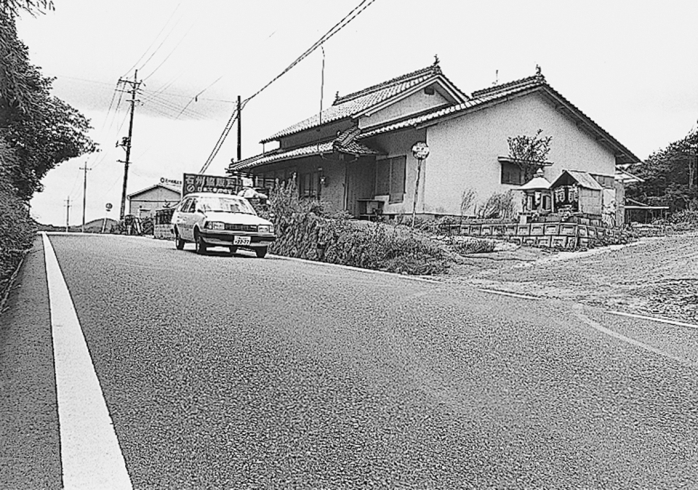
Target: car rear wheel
<point x="179" y="243"/>
<point x="200" y="244"/>
<point x="261" y="252"/>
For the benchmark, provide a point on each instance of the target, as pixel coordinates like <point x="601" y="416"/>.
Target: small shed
<point x="143" y="203"/>
<point x="576" y="191"/>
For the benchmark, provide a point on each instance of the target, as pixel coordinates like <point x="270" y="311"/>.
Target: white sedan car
<point x="220" y="220"/>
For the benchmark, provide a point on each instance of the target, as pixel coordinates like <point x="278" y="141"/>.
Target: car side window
<point x="190" y="206"/>
<point x="185" y="204"/>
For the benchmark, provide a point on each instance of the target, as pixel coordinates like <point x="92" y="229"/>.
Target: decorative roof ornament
<point x="539" y="73"/>
<point x="436" y="60"/>
<point x="336" y="96"/>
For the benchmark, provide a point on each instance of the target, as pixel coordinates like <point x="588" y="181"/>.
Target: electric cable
<point x="154" y="40"/>
<point x="329" y="34"/>
<point x="170" y="53"/>
<point x="196" y="97"/>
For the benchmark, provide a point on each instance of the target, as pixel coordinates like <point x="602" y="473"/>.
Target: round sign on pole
<point x="420" y="150"/>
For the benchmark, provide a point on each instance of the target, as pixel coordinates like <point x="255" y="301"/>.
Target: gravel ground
<point x="654" y="276"/>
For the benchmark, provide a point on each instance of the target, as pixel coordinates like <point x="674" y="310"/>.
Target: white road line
<point x="636" y="343"/>
<point x="655" y="319"/>
<point x="90" y="452"/>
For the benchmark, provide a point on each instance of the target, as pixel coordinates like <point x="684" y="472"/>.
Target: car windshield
<point x="227" y="205"/>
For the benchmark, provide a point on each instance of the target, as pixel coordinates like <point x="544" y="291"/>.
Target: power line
<point x="154" y="40"/>
<point x="172" y="109"/>
<point x="170" y="53"/>
<point x="196" y="97"/>
<point x="334" y="30"/>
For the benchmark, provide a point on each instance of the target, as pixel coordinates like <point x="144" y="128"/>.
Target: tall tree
<point x="39" y="130"/>
<point x="670" y="176"/>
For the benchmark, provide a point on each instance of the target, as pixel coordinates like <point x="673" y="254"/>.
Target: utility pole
<point x="84" y="195"/>
<point x="239" y="130"/>
<point x="126" y="142"/>
<point x="67" y="214"/>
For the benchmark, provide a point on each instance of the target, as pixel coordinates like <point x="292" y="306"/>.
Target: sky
<point x="628" y="64"/>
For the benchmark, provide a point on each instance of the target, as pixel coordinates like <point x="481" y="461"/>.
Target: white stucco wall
<point x="415" y="103"/>
<point x="464" y="150"/>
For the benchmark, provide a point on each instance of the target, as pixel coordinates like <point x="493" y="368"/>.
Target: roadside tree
<point x="670" y="176"/>
<point x="40" y="130"/>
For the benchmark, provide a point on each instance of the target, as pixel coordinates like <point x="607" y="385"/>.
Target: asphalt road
<point x="238" y="372"/>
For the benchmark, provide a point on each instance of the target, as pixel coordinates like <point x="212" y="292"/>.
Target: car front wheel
<point x="261" y="252"/>
<point x="200" y="244"/>
<point x="179" y="243"/>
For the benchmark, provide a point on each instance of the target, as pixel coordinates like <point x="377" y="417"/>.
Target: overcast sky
<point x="628" y="64"/>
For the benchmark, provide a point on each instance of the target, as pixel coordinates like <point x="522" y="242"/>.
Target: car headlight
<point x="215" y="225"/>
<point x="265" y="228"/>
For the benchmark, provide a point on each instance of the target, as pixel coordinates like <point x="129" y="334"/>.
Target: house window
<point x="309" y="185"/>
<point x="512" y="174"/>
<point x="390" y="178"/>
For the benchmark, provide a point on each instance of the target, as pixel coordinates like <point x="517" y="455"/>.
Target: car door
<point x="185" y="220"/>
<point x="178" y="217"/>
<point x="190" y="219"/>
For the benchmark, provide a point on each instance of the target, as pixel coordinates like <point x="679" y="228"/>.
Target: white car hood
<point x="236" y="218"/>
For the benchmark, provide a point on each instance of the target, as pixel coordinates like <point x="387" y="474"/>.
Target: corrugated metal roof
<point x="582" y="178"/>
<point x="585" y="180"/>
<point x="163" y="186"/>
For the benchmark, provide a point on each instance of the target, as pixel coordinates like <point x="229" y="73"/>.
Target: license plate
<point x="241" y="240"/>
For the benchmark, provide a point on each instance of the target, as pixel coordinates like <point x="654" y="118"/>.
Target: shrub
<point x="685" y="220"/>
<point x="16" y="233"/>
<point x="473" y="246"/>
<point x="498" y="206"/>
<point x="307" y="230"/>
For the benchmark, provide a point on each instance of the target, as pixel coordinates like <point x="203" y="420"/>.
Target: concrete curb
<point x="668" y="321"/>
<point x="359" y="269"/>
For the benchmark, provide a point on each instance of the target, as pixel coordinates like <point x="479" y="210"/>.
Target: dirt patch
<point x="657" y="276"/>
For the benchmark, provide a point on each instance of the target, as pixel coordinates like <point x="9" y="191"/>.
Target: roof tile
<point x="354" y="103"/>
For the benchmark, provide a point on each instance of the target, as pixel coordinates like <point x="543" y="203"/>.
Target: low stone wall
<point x="547" y="234"/>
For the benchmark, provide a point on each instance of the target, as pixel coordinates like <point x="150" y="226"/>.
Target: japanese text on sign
<point x="210" y="183"/>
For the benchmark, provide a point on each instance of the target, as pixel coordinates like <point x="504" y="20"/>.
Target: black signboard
<point x="210" y="183"/>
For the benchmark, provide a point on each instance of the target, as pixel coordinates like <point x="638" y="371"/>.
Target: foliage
<point x="529" y="152"/>
<point x="32" y="6"/>
<point x="467" y="198"/>
<point x="16" y="232"/>
<point x="473" y="246"/>
<point x="498" y="205"/>
<point x="670" y="176"/>
<point x="42" y="130"/>
<point x="307" y="230"/>
<point x="686" y="220"/>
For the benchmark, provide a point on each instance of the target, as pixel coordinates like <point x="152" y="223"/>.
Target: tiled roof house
<point x="356" y="155"/>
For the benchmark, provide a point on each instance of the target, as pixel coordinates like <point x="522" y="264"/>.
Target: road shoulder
<point x="30" y="449"/>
